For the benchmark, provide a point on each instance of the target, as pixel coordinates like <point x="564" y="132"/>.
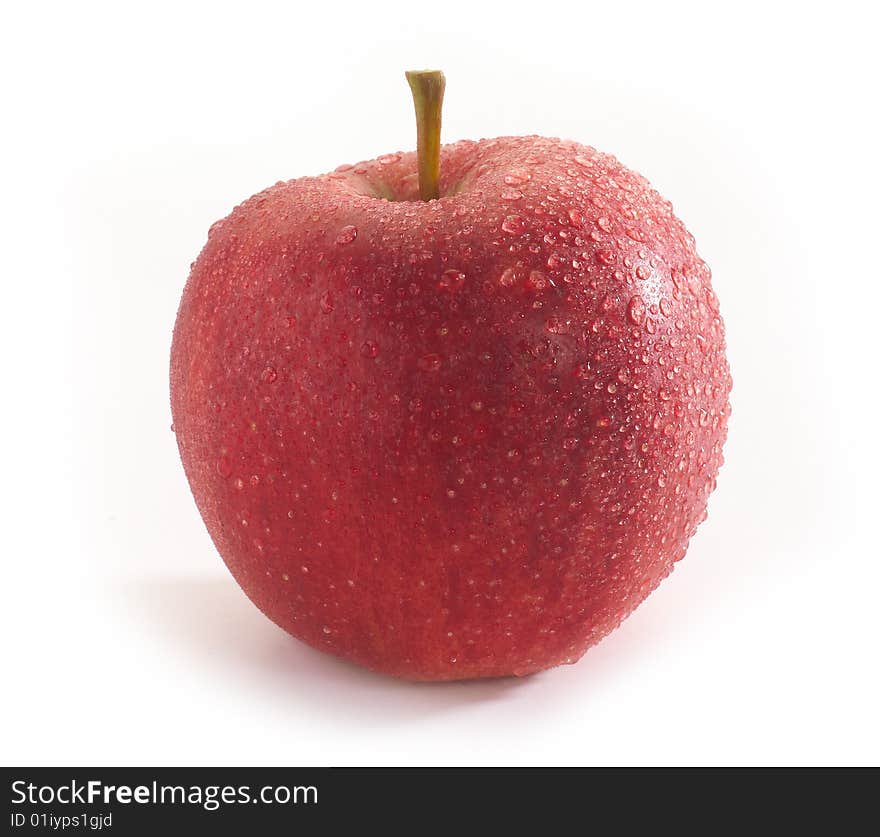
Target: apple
<point x="455" y="413"/>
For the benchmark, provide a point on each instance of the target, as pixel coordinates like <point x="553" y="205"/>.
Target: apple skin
<point x="460" y="438"/>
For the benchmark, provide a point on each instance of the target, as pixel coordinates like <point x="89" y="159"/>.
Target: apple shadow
<point x="216" y="629"/>
<point x="217" y="632"/>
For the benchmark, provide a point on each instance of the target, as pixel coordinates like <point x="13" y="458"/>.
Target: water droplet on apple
<point x="326" y="302"/>
<point x="537" y="281"/>
<point x="576" y="218"/>
<point x="224" y="467"/>
<point x="347" y="234"/>
<point x="636" y="310"/>
<point x="557" y="325"/>
<point x="507" y="278"/>
<point x="516" y="177"/>
<point x="508" y="193"/>
<point x="269" y="375"/>
<point x="451" y="280"/>
<point x="430" y="362"/>
<point x="513" y="224"/>
<point x="369" y="349"/>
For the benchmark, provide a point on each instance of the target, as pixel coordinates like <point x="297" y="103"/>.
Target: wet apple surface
<point x="453" y="438"/>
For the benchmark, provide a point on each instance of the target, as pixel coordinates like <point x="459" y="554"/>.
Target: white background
<point x="130" y="128"/>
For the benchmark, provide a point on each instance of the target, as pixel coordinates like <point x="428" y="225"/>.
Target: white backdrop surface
<point x="130" y="129"/>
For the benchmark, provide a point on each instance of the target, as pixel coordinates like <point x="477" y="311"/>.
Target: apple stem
<point x="427" y="90"/>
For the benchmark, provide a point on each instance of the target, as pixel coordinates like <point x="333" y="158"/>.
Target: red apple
<point x="454" y="438"/>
